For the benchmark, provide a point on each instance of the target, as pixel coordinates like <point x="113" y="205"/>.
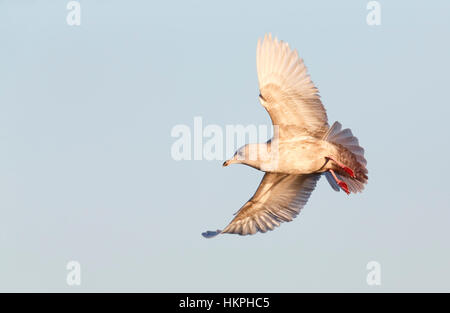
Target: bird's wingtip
<point x="211" y="234"/>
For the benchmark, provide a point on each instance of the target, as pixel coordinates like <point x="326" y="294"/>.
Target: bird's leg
<point x="342" y="184"/>
<point x="345" y="168"/>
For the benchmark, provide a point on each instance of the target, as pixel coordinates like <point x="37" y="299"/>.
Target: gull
<point x="303" y="147"/>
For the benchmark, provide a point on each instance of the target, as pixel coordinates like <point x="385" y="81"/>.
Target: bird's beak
<point x="226" y="163"/>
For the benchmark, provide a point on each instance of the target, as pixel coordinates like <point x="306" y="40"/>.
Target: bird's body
<point x="300" y="156"/>
<point x="306" y="155"/>
<point x="303" y="148"/>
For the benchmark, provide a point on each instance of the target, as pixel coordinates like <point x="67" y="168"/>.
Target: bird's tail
<point x="345" y="138"/>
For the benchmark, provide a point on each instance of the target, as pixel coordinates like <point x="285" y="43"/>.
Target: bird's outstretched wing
<point x="279" y="198"/>
<point x="287" y="92"/>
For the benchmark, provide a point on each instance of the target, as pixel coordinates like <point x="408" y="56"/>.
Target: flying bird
<point x="303" y="147"/>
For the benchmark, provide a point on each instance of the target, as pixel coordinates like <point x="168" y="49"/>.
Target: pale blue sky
<point x="86" y="172"/>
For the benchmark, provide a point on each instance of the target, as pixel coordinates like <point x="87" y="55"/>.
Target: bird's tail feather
<point x="345" y="138"/>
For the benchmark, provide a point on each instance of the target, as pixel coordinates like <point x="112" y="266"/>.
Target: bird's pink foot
<point x="341" y="183"/>
<point x="347" y="169"/>
<point x="343" y="186"/>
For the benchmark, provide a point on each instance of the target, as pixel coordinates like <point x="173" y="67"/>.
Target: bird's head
<point x="246" y="155"/>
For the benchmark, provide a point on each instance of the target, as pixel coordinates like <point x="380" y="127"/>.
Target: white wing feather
<point x="279" y="198"/>
<point x="287" y="92"/>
